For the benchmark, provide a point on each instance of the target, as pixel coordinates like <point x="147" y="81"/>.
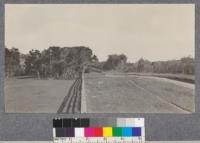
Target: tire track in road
<point x="69" y="103"/>
<point x="160" y="98"/>
<point x="76" y="104"/>
<point x="71" y="106"/>
<point x="72" y="98"/>
<point x="63" y="104"/>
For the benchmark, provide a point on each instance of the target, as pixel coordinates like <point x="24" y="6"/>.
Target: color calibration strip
<point x="98" y="130"/>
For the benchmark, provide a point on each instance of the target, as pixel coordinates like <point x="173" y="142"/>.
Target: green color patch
<point x="117" y="131"/>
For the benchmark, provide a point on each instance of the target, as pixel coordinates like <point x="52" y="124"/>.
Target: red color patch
<point x="98" y="132"/>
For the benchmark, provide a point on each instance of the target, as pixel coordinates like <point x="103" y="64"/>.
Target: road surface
<point x="72" y="101"/>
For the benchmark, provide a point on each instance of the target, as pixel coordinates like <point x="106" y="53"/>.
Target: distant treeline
<point x="56" y="62"/>
<point x="183" y="66"/>
<point x="70" y="62"/>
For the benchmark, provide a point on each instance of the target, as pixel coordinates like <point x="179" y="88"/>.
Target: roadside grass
<point x="179" y="96"/>
<point x="120" y="94"/>
<point x="178" y="77"/>
<point x="29" y="95"/>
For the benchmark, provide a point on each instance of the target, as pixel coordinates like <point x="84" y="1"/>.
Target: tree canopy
<point x="69" y="62"/>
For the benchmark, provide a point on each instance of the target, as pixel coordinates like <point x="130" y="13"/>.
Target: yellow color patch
<point x="107" y="132"/>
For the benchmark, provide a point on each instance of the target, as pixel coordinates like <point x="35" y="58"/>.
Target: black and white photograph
<point x="99" y="58"/>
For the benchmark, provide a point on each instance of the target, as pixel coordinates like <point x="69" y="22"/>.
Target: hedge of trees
<point x="55" y="62"/>
<point x="12" y="62"/>
<point x="68" y="62"/>
<point x="119" y="62"/>
<point x="183" y="66"/>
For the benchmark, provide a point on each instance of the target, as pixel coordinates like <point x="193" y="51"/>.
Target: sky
<point x="152" y="31"/>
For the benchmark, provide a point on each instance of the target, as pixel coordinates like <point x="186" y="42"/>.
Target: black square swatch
<point x="76" y="122"/>
<point x="67" y="122"/>
<point x="85" y="122"/>
<point x="57" y="123"/>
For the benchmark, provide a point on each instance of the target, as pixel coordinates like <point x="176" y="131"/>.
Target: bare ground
<point x="72" y="101"/>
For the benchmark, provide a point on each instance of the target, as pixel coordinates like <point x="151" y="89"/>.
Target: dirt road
<point x="72" y="101"/>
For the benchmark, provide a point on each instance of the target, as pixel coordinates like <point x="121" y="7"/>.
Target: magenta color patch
<point x="89" y="132"/>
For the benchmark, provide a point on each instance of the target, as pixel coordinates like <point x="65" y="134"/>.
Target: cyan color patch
<point x="127" y="132"/>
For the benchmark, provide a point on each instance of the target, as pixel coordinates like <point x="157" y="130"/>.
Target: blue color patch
<point x="127" y="132"/>
<point x="136" y="131"/>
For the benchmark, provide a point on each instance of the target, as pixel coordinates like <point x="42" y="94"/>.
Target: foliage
<point x="12" y="62"/>
<point x="185" y="66"/>
<point x="115" y="62"/>
<point x="70" y="62"/>
<point x="58" y="62"/>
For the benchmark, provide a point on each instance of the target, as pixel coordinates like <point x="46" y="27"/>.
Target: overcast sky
<point x="154" y="31"/>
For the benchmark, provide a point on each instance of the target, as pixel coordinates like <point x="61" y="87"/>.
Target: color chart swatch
<point x="98" y="130"/>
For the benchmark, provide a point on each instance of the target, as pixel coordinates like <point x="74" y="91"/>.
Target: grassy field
<point x="136" y="94"/>
<point x="178" y="77"/>
<point x="104" y="92"/>
<point x="35" y="96"/>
